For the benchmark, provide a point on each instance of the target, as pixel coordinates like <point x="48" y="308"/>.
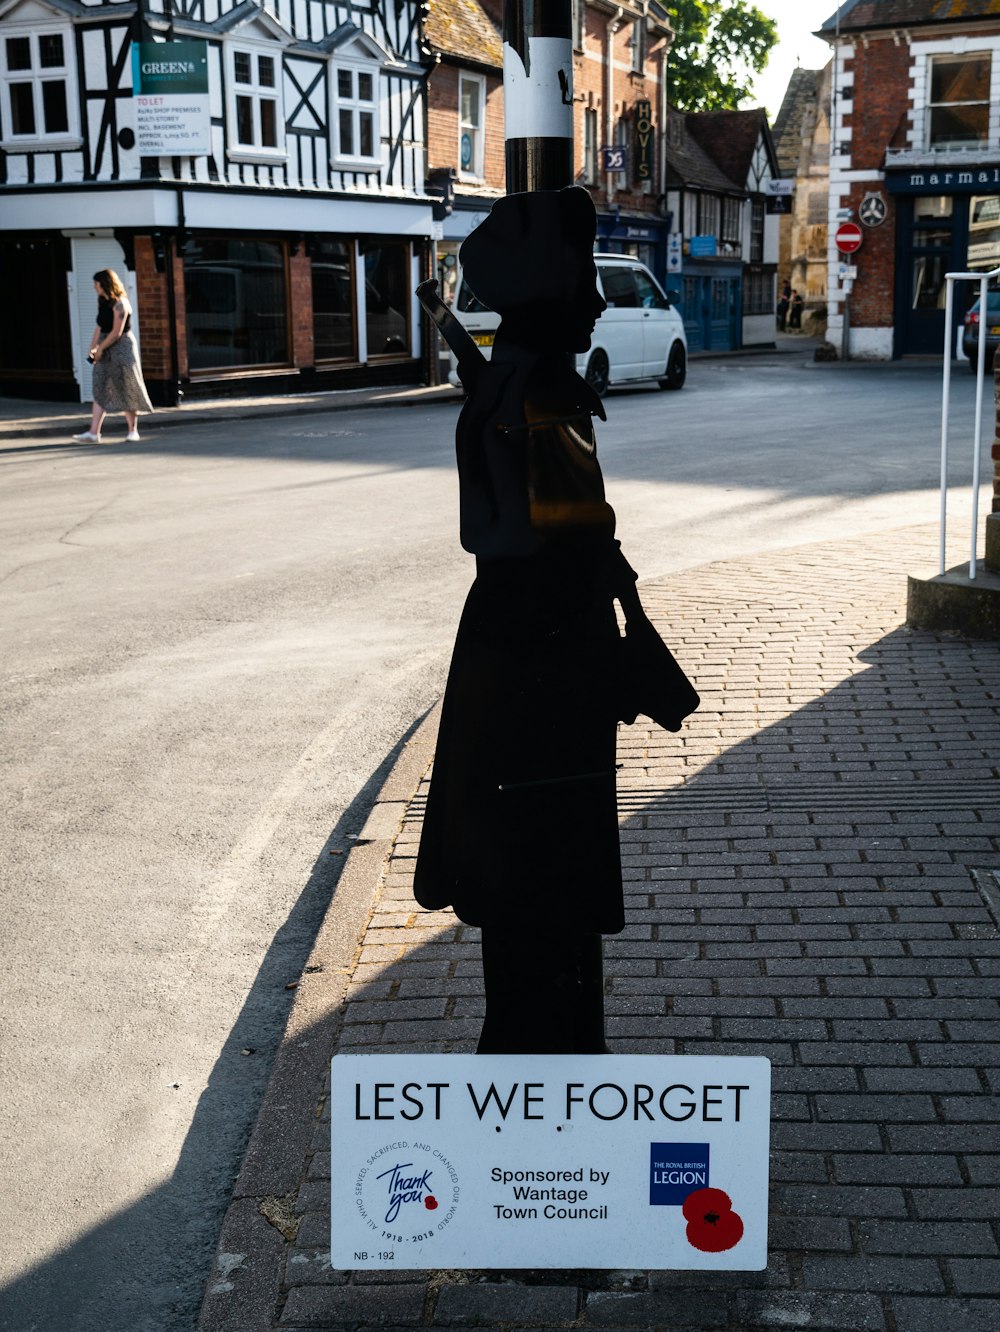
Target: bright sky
<point x="797" y="21"/>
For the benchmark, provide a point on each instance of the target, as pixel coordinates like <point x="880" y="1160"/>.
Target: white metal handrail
<point x="984" y="280"/>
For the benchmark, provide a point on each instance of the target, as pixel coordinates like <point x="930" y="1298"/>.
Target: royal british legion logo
<point x="676" y="1169"/>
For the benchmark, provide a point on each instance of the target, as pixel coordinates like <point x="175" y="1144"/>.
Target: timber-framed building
<point x="283" y="259"/>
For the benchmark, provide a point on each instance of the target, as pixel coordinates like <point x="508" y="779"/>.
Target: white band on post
<point x="538" y="105"/>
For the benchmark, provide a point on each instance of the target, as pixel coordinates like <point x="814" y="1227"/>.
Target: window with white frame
<point x="256" y="112"/>
<point x="471" y="117"/>
<point x="590" y="146"/>
<point x="708" y="215"/>
<point x="959" y="104"/>
<point x="356" y="114"/>
<point x="38" y="90"/>
<point x="638" y="45"/>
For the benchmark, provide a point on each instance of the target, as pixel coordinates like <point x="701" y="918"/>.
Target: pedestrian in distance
<point x="783" y="300"/>
<point x="520" y="835"/>
<point x="796" y="307"/>
<point x="118" y="382"/>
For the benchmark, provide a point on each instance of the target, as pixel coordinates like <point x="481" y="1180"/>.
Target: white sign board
<point x="171" y="98"/>
<point x="781" y="188"/>
<point x="562" y="1161"/>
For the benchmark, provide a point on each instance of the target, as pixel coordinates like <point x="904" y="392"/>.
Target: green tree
<point x="719" y="46"/>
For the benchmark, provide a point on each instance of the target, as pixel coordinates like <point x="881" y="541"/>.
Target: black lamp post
<point x="538" y="93"/>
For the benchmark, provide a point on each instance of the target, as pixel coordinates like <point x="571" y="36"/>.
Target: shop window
<point x="255" y="104"/>
<point x="334" y="331"/>
<point x="929" y="287"/>
<point x="236" y="302"/>
<point x="387" y="298"/>
<point x="471" y="113"/>
<point x="984" y="232"/>
<point x="758" y="293"/>
<point x="38" y="94"/>
<point x="356" y="128"/>
<point x="959" y="107"/>
<point x="590" y="146"/>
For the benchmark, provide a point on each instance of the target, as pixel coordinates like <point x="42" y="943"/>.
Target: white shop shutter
<point x="90" y="255"/>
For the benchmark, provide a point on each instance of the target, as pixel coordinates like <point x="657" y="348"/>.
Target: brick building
<point x="619" y="90"/>
<point x="915" y="158"/>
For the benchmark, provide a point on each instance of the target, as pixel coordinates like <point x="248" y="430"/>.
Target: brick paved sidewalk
<point x="810" y="876"/>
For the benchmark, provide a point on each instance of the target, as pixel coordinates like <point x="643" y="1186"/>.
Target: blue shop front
<point x="711" y="290"/>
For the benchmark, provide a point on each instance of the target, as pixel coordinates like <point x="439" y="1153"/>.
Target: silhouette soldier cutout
<point x="521" y="830"/>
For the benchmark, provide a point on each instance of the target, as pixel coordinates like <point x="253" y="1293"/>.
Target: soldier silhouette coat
<point x="521" y="823"/>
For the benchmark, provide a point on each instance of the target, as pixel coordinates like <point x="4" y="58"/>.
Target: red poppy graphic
<point x="430" y="1202"/>
<point x="712" y="1225"/>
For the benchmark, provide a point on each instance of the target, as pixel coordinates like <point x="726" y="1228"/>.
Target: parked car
<point x="640" y="335"/>
<point x="970" y="332"/>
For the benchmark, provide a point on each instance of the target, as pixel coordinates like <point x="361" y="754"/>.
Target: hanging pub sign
<point x="614" y="158"/>
<point x="170" y="96"/>
<point x="643" y="141"/>
<point x="536" y="1161"/>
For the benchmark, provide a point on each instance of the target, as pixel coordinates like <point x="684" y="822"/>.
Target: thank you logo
<point x="407" y="1191"/>
<point x="676" y="1169"/>
<point x="404" y="1187"/>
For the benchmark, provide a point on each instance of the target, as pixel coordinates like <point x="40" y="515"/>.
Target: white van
<point x="639" y="336"/>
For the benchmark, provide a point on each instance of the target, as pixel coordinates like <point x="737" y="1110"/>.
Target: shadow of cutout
<point x="755" y="788"/>
<point x="144" y="1269"/>
<point x="91" y="1285"/>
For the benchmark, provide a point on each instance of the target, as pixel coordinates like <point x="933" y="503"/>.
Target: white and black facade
<point x="285" y="258"/>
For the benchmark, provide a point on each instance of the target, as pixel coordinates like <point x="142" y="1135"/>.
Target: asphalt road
<point x="212" y="645"/>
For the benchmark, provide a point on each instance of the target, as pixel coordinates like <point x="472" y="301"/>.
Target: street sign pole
<point x="848" y="240"/>
<point x="538" y="94"/>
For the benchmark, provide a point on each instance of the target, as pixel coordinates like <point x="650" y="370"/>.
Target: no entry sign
<point x="567" y="1161"/>
<point x="849" y="237"/>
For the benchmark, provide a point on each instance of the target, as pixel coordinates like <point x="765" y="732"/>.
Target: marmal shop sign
<point x="969" y="180"/>
<point x="470" y="1161"/>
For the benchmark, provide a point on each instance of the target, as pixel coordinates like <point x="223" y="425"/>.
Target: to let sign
<point x="567" y="1161"/>
<point x="171" y="99"/>
<point x="849" y="237"/>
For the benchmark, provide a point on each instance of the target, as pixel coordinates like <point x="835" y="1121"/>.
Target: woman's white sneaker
<point x="87" y="438"/>
<point x="132" y="437"/>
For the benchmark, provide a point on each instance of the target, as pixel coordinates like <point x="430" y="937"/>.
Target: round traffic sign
<point x="849" y="237"/>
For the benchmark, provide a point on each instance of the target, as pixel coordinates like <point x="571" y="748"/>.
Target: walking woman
<point x="118" y="383"/>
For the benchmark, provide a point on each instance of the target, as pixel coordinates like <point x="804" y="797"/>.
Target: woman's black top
<point x="106" y="317"/>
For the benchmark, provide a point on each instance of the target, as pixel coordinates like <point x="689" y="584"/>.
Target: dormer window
<point x="254" y="101"/>
<point x="959" y="108"/>
<point x="356" y="128"/>
<point x="38" y="96"/>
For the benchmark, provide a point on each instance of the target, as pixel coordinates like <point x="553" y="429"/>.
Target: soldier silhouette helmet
<point x="533" y="260"/>
<point x="533" y="247"/>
